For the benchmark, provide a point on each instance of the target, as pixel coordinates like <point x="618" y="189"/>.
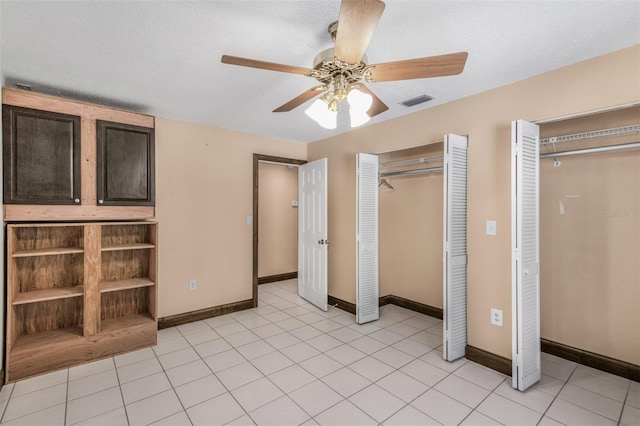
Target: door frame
<point x="257" y="158"/>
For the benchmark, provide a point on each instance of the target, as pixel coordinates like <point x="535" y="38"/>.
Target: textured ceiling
<point x="163" y="57"/>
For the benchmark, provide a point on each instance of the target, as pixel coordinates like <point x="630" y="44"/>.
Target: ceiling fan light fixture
<point x="359" y="101"/>
<point x="321" y="114"/>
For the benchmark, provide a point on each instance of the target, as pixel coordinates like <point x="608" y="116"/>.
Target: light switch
<point x="249" y="220"/>
<point x="491" y="227"/>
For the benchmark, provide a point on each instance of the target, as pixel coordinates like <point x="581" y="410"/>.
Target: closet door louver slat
<point x="367" y="307"/>
<point x="455" y="247"/>
<point x="525" y="239"/>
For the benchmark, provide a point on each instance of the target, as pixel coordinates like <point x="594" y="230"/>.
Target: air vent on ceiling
<point x="417" y="100"/>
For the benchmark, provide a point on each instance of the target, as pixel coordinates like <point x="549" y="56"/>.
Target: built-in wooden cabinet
<point x="84" y="290"/>
<point x="67" y="160"/>
<point x="78" y="292"/>
<point x="126" y="167"/>
<point x="41" y="154"/>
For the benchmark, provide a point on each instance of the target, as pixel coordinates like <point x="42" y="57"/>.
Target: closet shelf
<point x="129" y="323"/>
<point x="47" y="251"/>
<point x="134" y="246"/>
<point x="107" y="286"/>
<point x="30" y="343"/>
<point x="47" y="294"/>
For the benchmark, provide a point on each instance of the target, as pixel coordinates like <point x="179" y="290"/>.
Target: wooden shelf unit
<point x="47" y="294"/>
<point x="78" y="292"/>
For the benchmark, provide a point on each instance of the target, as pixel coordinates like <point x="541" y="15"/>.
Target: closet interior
<point x="590" y="233"/>
<point x="410" y="223"/>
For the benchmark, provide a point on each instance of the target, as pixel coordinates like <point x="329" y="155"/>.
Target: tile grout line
<point x="37" y="390"/>
<point x="625" y="402"/>
<point x="8" y="400"/>
<point x="558" y="394"/>
<point x="66" y="399"/>
<point x="164" y="371"/>
<point x="594" y="392"/>
<point x="214" y="374"/>
<point x="124" y="405"/>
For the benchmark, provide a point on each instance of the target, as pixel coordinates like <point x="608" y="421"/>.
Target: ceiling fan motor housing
<point x="326" y="67"/>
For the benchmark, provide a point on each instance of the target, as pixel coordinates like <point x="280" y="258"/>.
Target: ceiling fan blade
<point x="432" y="66"/>
<point x="300" y="99"/>
<point x="377" y="106"/>
<point x="245" y="62"/>
<point x="357" y="22"/>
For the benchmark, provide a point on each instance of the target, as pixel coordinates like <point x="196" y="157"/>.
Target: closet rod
<point x="412" y="172"/>
<point x="633" y="145"/>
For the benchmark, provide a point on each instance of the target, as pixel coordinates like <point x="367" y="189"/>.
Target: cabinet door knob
<point x="77" y="200"/>
<point x="100" y="201"/>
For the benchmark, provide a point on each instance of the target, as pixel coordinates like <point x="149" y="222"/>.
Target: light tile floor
<point x="286" y="362"/>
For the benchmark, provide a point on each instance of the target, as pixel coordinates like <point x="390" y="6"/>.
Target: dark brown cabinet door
<point x="126" y="165"/>
<point x="41" y="153"/>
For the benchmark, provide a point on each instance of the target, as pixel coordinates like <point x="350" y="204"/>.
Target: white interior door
<point x="455" y="247"/>
<point x="367" y="291"/>
<point x="312" y="232"/>
<point x="525" y="243"/>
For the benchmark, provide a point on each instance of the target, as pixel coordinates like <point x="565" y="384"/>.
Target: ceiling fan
<point x="343" y="69"/>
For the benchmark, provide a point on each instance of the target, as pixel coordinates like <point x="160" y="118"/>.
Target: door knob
<point x="320" y="241"/>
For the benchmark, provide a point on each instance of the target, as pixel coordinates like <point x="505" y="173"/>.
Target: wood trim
<point x="91" y="282"/>
<point x="342" y="304"/>
<point x="256" y="183"/>
<point x="35" y="213"/>
<point x="88" y="166"/>
<point x="277" y="277"/>
<point x="23" y="98"/>
<point x="205" y="313"/>
<point x="432" y="311"/>
<point x="488" y="359"/>
<point x="389" y="300"/>
<point x="590" y="359"/>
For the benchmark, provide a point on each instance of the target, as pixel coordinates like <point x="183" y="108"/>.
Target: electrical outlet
<point x="193" y="285"/>
<point x="496" y="317"/>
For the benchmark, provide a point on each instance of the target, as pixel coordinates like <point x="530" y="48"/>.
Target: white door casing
<point x="455" y="247"/>
<point x="525" y="243"/>
<point x="312" y="232"/>
<point x="367" y="275"/>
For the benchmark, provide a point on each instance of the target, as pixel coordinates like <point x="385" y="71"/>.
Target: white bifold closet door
<point x="367" y="302"/>
<point x="312" y="232"/>
<point x="455" y="247"/>
<point x="525" y="243"/>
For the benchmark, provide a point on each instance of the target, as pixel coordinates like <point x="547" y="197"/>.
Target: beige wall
<point x="204" y="194"/>
<point x="410" y="231"/>
<point x="278" y="224"/>
<point x="590" y="242"/>
<point x="602" y="82"/>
